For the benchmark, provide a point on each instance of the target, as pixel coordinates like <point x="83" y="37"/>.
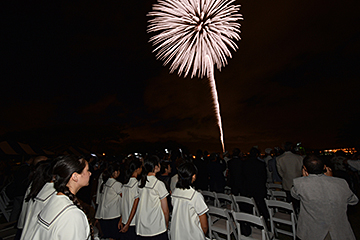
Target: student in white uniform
<point x="152" y="216"/>
<point x="62" y="217"/>
<point x="108" y="211"/>
<point x="189" y="219"/>
<point x="41" y="190"/>
<point x="130" y="200"/>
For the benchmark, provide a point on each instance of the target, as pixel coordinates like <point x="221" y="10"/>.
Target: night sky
<point x="294" y="77"/>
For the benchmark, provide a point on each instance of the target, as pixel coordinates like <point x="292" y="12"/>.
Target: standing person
<point x="108" y="212"/>
<point x="216" y="167"/>
<point x="235" y="178"/>
<point x="62" y="217"/>
<point x="130" y="200"/>
<point x="323" y="203"/>
<point x="152" y="218"/>
<point x="289" y="166"/>
<point x="189" y="220"/>
<point x="202" y="179"/>
<point x="41" y="190"/>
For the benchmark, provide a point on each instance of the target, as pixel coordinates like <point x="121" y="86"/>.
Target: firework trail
<point x="193" y="35"/>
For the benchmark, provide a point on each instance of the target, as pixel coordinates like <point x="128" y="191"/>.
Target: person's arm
<point x="279" y="167"/>
<point x="165" y="209"/>
<point x="204" y="223"/>
<point x="132" y="214"/>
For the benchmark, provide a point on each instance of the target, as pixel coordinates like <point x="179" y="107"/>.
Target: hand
<point x="328" y="171"/>
<point x="120" y="225"/>
<point x="304" y="172"/>
<point x="124" y="228"/>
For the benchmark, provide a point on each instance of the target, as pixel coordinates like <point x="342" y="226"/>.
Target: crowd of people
<point x="137" y="196"/>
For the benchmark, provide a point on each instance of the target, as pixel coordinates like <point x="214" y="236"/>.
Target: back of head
<point x="254" y="152"/>
<point x="185" y="172"/>
<point x="288" y="146"/>
<point x="64" y="167"/>
<point x="109" y="172"/>
<point x="236" y="152"/>
<point x="163" y="166"/>
<point x="313" y="164"/>
<point x="149" y="166"/>
<point x="132" y="166"/>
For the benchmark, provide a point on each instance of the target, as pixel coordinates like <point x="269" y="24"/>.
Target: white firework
<point x="196" y="34"/>
<point x="191" y="29"/>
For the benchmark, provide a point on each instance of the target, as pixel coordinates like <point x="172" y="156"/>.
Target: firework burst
<point x="195" y="35"/>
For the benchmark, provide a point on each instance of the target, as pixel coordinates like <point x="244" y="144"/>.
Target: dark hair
<point x="287" y="146"/>
<point x="185" y="173"/>
<point x="42" y="175"/>
<point x="108" y="173"/>
<point x="133" y="165"/>
<point x="149" y="166"/>
<point x="163" y="165"/>
<point x="313" y="164"/>
<point x="254" y="152"/>
<point x="63" y="169"/>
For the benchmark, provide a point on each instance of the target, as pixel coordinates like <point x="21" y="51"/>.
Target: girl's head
<point x="187" y="175"/>
<point x="112" y="171"/>
<point x="70" y="173"/>
<point x="134" y="168"/>
<point x="151" y="165"/>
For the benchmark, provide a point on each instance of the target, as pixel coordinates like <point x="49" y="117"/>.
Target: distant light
<point x="103" y="154"/>
<point x="93" y="154"/>
<point x="193" y="157"/>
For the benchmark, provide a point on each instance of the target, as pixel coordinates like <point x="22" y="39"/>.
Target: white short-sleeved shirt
<point x="98" y="193"/>
<point x="173" y="182"/>
<point x="22" y="217"/>
<point x="150" y="219"/>
<point x="34" y="208"/>
<point x="61" y="220"/>
<point x="130" y="193"/>
<point x="188" y="205"/>
<point x="110" y="200"/>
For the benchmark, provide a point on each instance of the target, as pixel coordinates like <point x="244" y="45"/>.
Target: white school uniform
<point x="110" y="200"/>
<point x="22" y="216"/>
<point x="188" y="205"/>
<point x="61" y="219"/>
<point x="98" y="193"/>
<point x="150" y="219"/>
<point x="173" y="182"/>
<point x="130" y="193"/>
<point x="34" y="208"/>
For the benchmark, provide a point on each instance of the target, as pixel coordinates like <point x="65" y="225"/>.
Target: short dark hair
<point x="236" y="152"/>
<point x="313" y="164"/>
<point x="185" y="173"/>
<point x="288" y="146"/>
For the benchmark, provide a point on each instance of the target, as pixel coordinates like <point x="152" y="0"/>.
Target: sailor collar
<point x="59" y="205"/>
<point x="132" y="182"/>
<point x="110" y="182"/>
<point x="187" y="194"/>
<point x="46" y="192"/>
<point x="151" y="182"/>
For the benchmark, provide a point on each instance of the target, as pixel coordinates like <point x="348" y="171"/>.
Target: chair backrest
<point x="241" y="200"/>
<point x="216" y="215"/>
<point x="225" y="201"/>
<point x="278" y="195"/>
<point x="259" y="222"/>
<point x="210" y="198"/>
<point x="274" y="186"/>
<point x="281" y="212"/>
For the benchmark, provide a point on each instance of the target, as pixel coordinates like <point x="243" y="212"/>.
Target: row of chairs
<point x="281" y="212"/>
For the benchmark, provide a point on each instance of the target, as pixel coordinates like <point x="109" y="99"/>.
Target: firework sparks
<point x="193" y="35"/>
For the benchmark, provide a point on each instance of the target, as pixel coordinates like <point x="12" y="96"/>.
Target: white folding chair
<point x="210" y="198"/>
<point x="258" y="226"/>
<point x="241" y="200"/>
<point x="5" y="205"/>
<point x="225" y="201"/>
<point x="278" y="195"/>
<point x="281" y="213"/>
<point x="220" y="222"/>
<point x="274" y="186"/>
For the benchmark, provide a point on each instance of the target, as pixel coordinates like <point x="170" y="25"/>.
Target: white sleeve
<point x="161" y="189"/>
<point x="355" y="164"/>
<point x="199" y="204"/>
<point x="118" y="187"/>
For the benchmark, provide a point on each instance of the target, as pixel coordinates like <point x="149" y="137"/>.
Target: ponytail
<point x="133" y="165"/>
<point x="149" y="166"/>
<point x="108" y="173"/>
